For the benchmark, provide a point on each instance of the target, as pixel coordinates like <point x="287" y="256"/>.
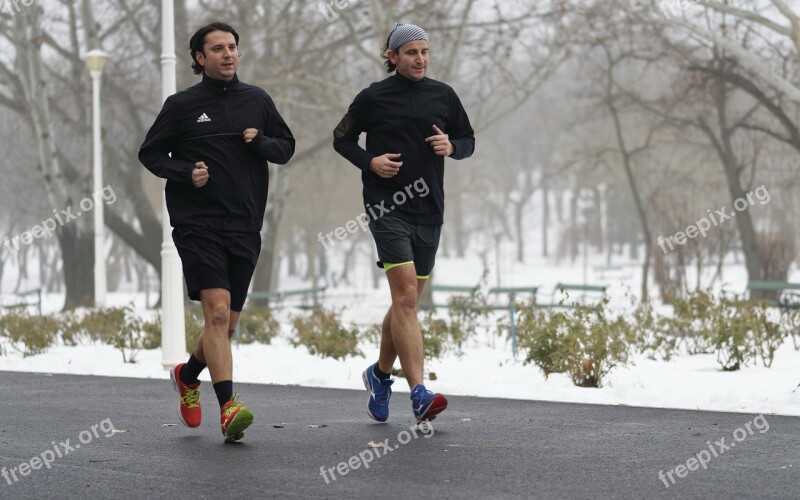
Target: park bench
<point x="785" y="298"/>
<point x="36" y="293"/>
<point x="512" y="293"/>
<point x="453" y="289"/>
<point x="280" y="295"/>
<point x="572" y="287"/>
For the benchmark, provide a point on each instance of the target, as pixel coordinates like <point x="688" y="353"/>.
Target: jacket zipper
<point x="225" y="105"/>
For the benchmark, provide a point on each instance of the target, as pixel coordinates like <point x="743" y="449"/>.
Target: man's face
<point x="221" y="59"/>
<point x="411" y="59"/>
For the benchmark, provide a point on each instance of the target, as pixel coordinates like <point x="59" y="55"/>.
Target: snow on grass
<point x="486" y="369"/>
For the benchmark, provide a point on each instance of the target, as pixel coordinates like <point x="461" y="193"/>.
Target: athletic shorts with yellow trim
<point x="400" y="243"/>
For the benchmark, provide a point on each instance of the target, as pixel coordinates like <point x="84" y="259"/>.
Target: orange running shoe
<point x="189" y="409"/>
<point x="235" y="418"/>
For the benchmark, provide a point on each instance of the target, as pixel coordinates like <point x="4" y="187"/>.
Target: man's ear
<point x="200" y="57"/>
<point x="392" y="56"/>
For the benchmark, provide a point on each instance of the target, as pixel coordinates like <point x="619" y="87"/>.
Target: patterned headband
<point x="404" y="33"/>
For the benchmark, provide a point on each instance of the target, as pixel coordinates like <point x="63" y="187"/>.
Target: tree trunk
<point x="573" y="225"/>
<point x="459" y="231"/>
<point x="626" y="163"/>
<point x="266" y="271"/>
<point x="77" y="248"/>
<point x="518" y="211"/>
<point x="724" y="148"/>
<point x="78" y="255"/>
<point x="545" y="213"/>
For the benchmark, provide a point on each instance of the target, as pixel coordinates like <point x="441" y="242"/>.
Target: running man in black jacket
<point x="221" y="134"/>
<point x="412" y="123"/>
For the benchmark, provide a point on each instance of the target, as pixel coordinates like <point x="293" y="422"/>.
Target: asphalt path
<point x="120" y="438"/>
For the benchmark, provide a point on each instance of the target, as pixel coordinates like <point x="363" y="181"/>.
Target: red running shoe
<point x="189" y="407"/>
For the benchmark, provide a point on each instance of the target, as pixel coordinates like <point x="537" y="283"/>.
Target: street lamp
<point x="173" y="328"/>
<point x="96" y="60"/>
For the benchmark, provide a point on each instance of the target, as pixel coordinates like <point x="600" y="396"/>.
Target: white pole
<point x="99" y="224"/>
<point x="173" y="334"/>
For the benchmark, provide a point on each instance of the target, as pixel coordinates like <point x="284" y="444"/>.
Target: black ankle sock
<point x="224" y="391"/>
<point x="380" y="374"/>
<point x="191" y="370"/>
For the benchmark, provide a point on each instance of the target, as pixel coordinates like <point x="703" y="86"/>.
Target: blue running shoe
<point x="379" y="393"/>
<point x="426" y="404"/>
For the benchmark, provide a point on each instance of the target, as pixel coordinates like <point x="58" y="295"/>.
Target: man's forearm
<point x="165" y="167"/>
<point x="463" y="148"/>
<point x="274" y="150"/>
<point x="354" y="153"/>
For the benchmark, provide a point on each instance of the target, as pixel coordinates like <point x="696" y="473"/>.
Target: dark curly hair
<point x="390" y="67"/>
<point x="199" y="39"/>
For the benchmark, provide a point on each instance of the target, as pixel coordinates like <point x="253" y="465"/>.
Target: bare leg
<point x="403" y="324"/>
<point x="213" y="348"/>
<point x="198" y="348"/>
<point x="388" y="354"/>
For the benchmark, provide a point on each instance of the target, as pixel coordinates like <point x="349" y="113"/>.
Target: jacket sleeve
<point x="275" y="142"/>
<point x="346" y="134"/>
<point x="161" y="140"/>
<point x="462" y="137"/>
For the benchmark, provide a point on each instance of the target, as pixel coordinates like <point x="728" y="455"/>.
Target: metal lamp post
<point x="96" y="60"/>
<point x="173" y="334"/>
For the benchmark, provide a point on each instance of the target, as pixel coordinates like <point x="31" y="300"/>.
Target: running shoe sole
<point x="240" y="422"/>
<point x="437" y="406"/>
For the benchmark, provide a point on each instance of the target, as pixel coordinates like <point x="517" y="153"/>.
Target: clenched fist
<point x="250" y="134"/>
<point x="385" y="166"/>
<point x="200" y="174"/>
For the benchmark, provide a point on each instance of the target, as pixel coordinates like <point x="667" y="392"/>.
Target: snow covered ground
<point x="487" y="367"/>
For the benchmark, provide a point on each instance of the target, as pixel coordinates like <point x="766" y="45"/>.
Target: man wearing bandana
<point x="412" y="123"/>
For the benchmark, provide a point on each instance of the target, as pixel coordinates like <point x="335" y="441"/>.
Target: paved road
<point x="479" y="448"/>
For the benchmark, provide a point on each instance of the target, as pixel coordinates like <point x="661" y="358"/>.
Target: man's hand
<point x="384" y="165"/>
<point x="440" y="142"/>
<point x="250" y="134"/>
<point x="200" y="174"/>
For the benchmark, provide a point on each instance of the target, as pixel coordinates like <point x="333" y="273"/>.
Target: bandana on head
<point x="404" y="33"/>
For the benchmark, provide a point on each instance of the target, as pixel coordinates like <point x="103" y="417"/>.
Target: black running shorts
<point x="217" y="259"/>
<point x="401" y="242"/>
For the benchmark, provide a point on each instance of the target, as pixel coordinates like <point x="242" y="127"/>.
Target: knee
<point x="406" y="300"/>
<point x="219" y="316"/>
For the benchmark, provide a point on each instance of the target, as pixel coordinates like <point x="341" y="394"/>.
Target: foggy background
<point x="601" y="126"/>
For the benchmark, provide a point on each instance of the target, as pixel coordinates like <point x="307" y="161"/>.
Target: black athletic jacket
<point x="398" y="114"/>
<point x="206" y="123"/>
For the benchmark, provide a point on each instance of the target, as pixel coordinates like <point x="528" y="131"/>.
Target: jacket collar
<point x="406" y="81"/>
<point x="220" y="85"/>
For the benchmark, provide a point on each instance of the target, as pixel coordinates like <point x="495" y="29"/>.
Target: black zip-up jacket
<point x="398" y="114"/>
<point x="206" y="122"/>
